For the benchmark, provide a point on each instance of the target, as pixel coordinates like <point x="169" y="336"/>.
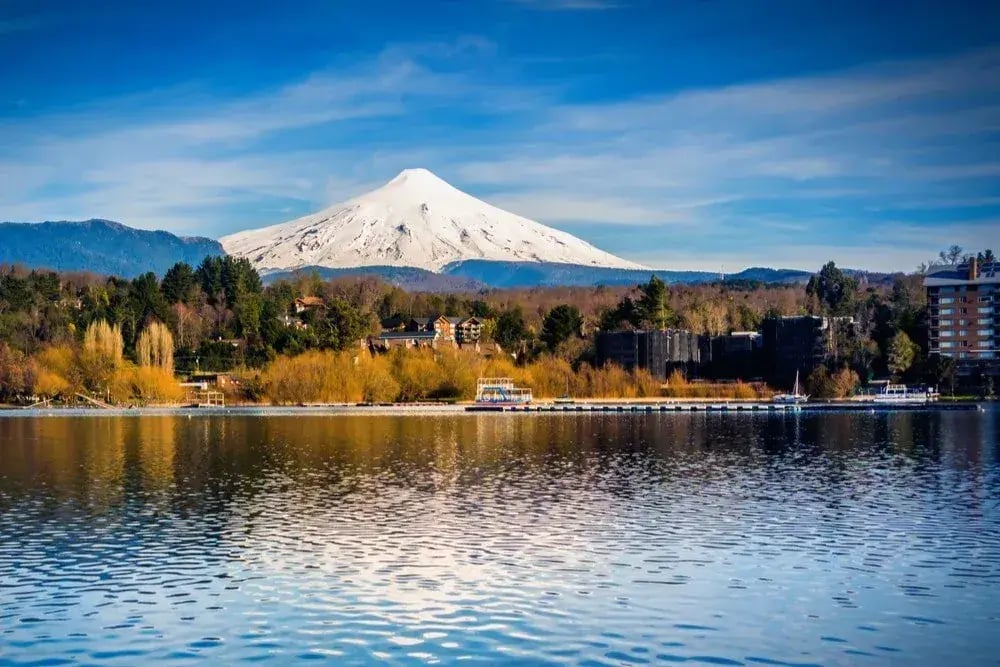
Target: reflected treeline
<point x="102" y="460"/>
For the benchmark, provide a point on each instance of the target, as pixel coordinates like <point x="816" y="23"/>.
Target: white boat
<point x="501" y="390"/>
<point x="900" y="394"/>
<point x="794" y="398"/>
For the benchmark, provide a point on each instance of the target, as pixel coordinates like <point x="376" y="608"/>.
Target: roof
<point x="940" y="276"/>
<point x="310" y="301"/>
<point x="407" y="335"/>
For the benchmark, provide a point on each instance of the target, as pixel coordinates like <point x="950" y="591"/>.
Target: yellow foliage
<point x="426" y="374"/>
<point x="57" y="372"/>
<point x="50" y="384"/>
<point x="417" y="373"/>
<point x="104" y="341"/>
<point x="100" y="356"/>
<point x="155" y="347"/>
<point x="314" y="377"/>
<point x="150" y="384"/>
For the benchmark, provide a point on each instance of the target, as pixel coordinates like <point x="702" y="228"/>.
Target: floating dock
<point x="725" y="407"/>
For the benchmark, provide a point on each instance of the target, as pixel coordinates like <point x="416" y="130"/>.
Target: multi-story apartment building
<point x="963" y="303"/>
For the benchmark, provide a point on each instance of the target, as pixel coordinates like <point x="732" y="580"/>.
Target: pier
<point x="723" y="407"/>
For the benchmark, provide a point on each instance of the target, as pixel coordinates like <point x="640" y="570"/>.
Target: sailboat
<point x="795" y="398"/>
<point x="565" y="399"/>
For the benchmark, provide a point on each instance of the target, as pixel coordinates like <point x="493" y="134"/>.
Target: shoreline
<point x="582" y="407"/>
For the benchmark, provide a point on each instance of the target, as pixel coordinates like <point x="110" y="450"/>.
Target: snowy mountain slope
<point x="416" y="220"/>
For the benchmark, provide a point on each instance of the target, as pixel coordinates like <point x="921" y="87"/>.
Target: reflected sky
<point x="562" y="539"/>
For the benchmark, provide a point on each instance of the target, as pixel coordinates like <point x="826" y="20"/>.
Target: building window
<point x="963" y="333"/>
<point x="985" y="310"/>
<point x="984" y="320"/>
<point x="947" y="334"/>
<point x="947" y="344"/>
<point x="985" y="333"/>
<point x="947" y="311"/>
<point x="946" y="299"/>
<point x="945" y="323"/>
<point x="985" y="343"/>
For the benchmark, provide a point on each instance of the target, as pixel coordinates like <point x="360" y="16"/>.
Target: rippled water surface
<point x="832" y="539"/>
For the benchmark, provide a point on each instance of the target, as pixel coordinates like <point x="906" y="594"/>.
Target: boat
<point x="794" y="398"/>
<point x="900" y="394"/>
<point x="491" y="391"/>
<point x="567" y="398"/>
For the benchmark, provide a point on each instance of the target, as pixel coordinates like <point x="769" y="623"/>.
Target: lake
<point x="721" y="539"/>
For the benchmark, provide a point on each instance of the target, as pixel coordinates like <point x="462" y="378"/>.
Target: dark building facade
<point x="738" y="355"/>
<point x="964" y="312"/>
<point x="658" y="352"/>
<point x="793" y="344"/>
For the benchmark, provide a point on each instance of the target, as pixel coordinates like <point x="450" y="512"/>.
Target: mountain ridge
<point x="100" y="246"/>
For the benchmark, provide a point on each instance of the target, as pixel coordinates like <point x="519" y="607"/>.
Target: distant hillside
<point x="535" y="274"/>
<point x="406" y="277"/>
<point x="101" y="246"/>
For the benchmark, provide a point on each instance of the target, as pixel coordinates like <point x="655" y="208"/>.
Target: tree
<point x="953" y="255"/>
<point x="342" y="325"/>
<point x="101" y="355"/>
<point x="902" y="353"/>
<point x="156" y="347"/>
<point x="510" y="329"/>
<point x="147" y="301"/>
<point x="844" y="382"/>
<point x="652" y="304"/>
<point x="833" y="288"/>
<point x="819" y="384"/>
<point x="941" y="371"/>
<point x="560" y="324"/>
<point x="626" y="313"/>
<point x="17" y="373"/>
<point x="104" y="341"/>
<point x="179" y="283"/>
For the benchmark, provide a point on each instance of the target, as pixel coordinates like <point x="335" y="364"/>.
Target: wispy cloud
<point x="772" y="171"/>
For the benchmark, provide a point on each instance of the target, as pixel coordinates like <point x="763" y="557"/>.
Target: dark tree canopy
<point x="511" y="329"/>
<point x="562" y="323"/>
<point x="834" y="289"/>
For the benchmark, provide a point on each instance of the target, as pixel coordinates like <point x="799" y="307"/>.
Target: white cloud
<point x="851" y="150"/>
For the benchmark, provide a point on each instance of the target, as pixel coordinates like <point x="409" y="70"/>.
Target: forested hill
<point x="99" y="246"/>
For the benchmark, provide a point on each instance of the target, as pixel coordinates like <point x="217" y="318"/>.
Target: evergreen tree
<point x="179" y="283"/>
<point x="560" y="324"/>
<point x="511" y="329"/>
<point x="833" y="288"/>
<point x="652" y="304"/>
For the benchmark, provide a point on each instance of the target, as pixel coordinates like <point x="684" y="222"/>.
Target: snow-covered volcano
<point x="416" y="219"/>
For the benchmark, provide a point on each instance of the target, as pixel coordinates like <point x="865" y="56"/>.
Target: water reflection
<point x="538" y="539"/>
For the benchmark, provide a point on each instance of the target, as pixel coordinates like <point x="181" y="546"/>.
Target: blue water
<point x="832" y="539"/>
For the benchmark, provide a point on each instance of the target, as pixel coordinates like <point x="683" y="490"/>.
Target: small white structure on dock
<point x="500" y="390"/>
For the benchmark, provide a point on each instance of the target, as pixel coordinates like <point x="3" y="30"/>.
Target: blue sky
<point x="696" y="134"/>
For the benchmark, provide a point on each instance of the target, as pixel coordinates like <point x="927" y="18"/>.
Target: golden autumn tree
<point x="101" y="355"/>
<point x="156" y="347"/>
